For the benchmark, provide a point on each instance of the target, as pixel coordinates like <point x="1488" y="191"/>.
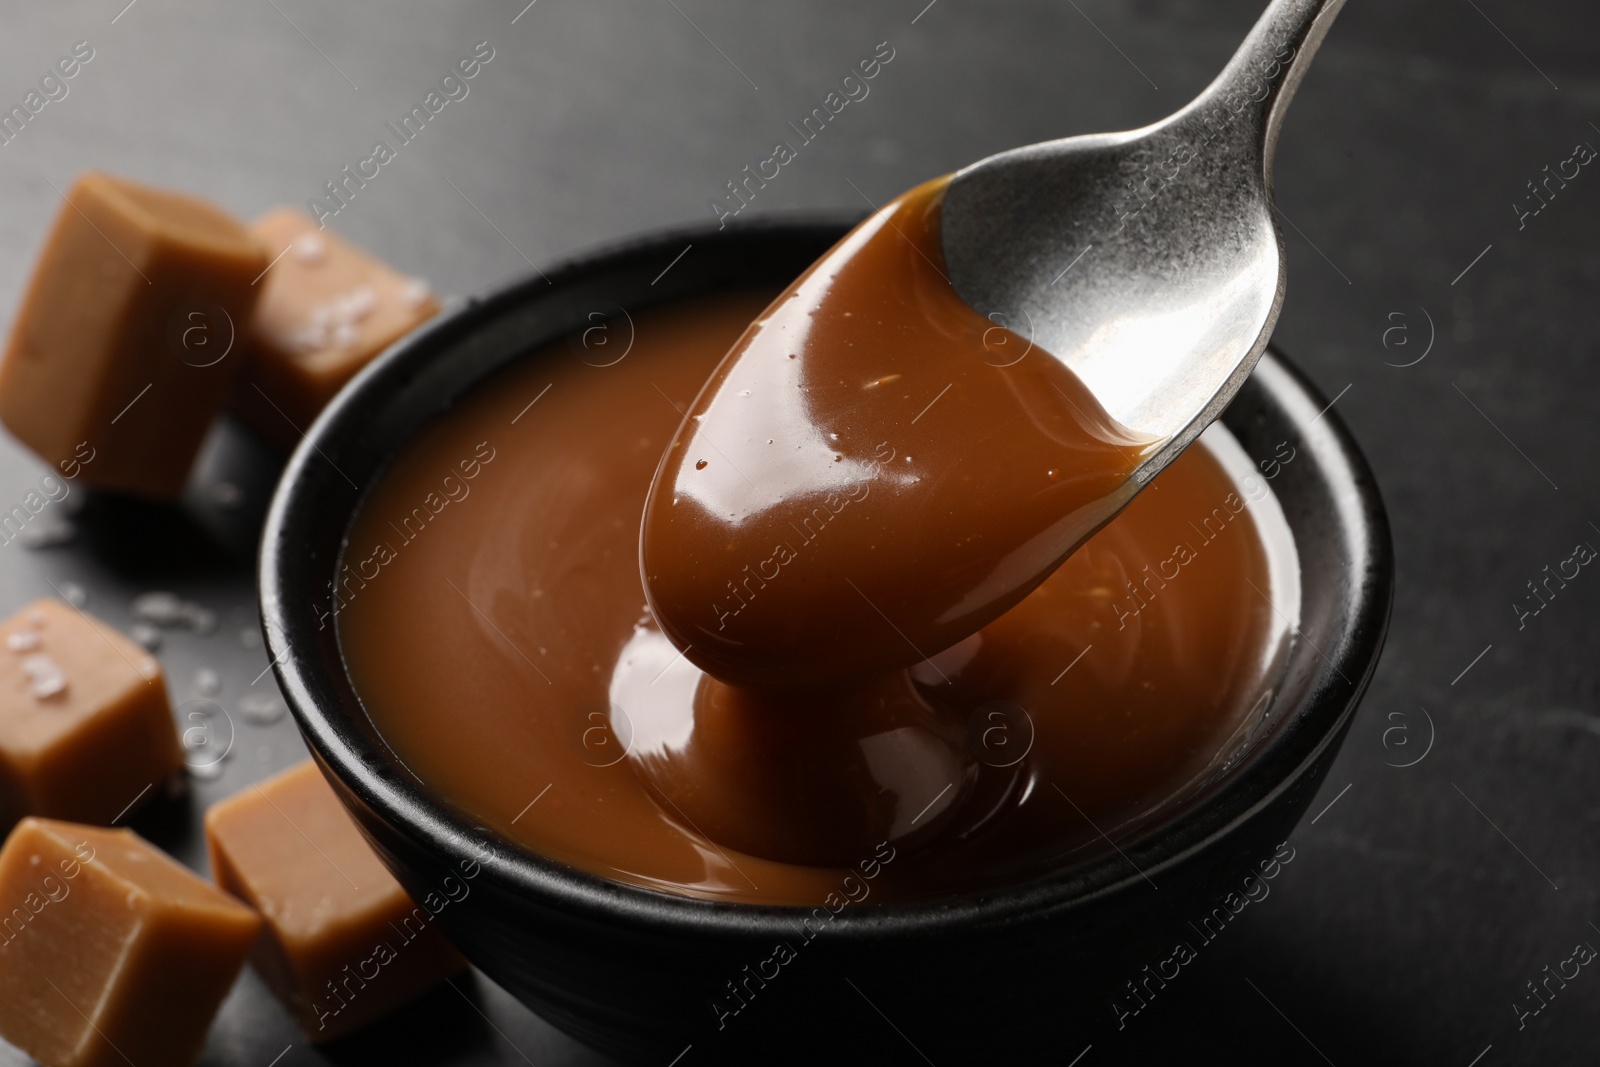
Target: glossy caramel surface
<point x="495" y="626"/>
<point x="874" y="472"/>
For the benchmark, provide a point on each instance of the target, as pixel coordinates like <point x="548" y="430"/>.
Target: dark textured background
<point x="1420" y="903"/>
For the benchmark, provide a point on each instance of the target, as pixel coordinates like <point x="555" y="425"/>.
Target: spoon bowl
<point x="1149" y="262"/>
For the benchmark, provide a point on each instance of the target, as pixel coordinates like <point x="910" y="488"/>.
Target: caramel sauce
<point x="495" y="624"/>
<point x="874" y="472"/>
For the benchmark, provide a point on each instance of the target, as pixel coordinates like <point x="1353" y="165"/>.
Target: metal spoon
<point x="1149" y="262"/>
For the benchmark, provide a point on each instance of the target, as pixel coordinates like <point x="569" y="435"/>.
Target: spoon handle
<point x="1243" y="108"/>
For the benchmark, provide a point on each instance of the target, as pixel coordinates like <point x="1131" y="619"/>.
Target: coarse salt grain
<point x="260" y="709"/>
<point x="336" y="322"/>
<point x="45" y="674"/>
<point x="158" y="609"/>
<point x="207" y="682"/>
<point x="416" y="293"/>
<point x="310" y="248"/>
<point x="48" y="533"/>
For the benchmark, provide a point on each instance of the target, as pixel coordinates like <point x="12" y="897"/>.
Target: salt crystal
<point x="146" y="635"/>
<point x="415" y="293"/>
<point x="201" y="620"/>
<point x="309" y="339"/>
<point x="207" y="682"/>
<point x="206" y="772"/>
<point x="260" y="709"/>
<point x="158" y="609"/>
<point x="168" y="610"/>
<point x="74" y="594"/>
<point x="336" y="323"/>
<point x="358" y="303"/>
<point x="46" y="675"/>
<point x="22" y="640"/>
<point x="310" y="248"/>
<point x="48" y="533"/>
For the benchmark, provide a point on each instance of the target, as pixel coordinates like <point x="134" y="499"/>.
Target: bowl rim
<point x="378" y="780"/>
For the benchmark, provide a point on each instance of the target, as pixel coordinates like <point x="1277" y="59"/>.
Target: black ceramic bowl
<point x="1033" y="969"/>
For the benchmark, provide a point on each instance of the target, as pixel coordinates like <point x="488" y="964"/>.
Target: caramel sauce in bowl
<point x="1015" y="965"/>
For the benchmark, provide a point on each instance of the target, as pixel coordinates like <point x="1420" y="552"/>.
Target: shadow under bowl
<point x="641" y="973"/>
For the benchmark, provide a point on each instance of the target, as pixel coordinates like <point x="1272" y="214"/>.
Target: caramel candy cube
<point x="343" y="943"/>
<point x="119" y="359"/>
<point x="328" y="308"/>
<point x="85" y="727"/>
<point x="111" y="953"/>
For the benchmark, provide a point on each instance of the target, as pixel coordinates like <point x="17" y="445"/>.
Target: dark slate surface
<point x="1425" y="897"/>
